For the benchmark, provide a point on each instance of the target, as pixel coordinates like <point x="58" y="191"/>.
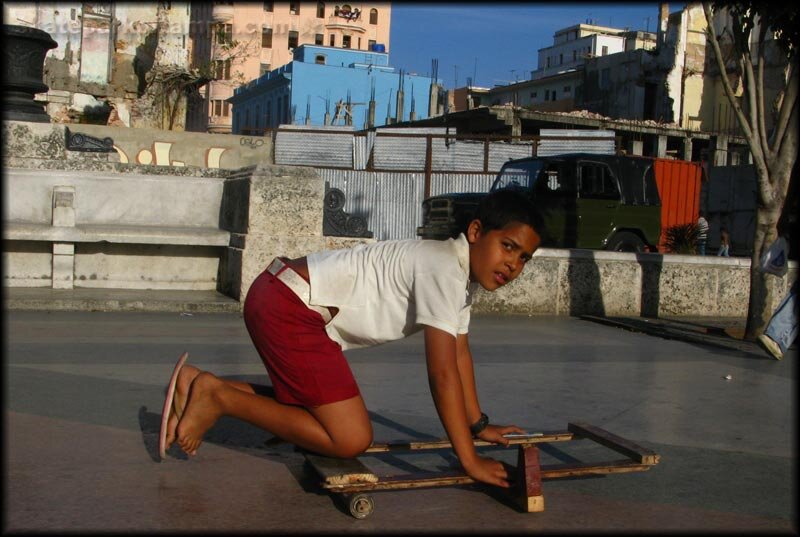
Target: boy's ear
<point x="474" y="230"/>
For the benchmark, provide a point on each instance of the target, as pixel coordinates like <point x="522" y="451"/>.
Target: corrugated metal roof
<point x="314" y="149"/>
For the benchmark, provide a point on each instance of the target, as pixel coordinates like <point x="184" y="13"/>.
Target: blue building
<point x="331" y="86"/>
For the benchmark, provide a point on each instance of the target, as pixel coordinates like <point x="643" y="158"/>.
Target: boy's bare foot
<point x="185" y="377"/>
<point x="201" y="412"/>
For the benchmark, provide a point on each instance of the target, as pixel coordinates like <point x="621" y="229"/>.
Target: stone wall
<point x="41" y="145"/>
<point x="588" y="282"/>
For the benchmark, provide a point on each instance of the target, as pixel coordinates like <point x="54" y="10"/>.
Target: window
<point x="333" y="40"/>
<point x="319" y="39"/>
<point x="263" y="69"/>
<point x="373" y="16"/>
<point x="346" y="41"/>
<point x="553" y="95"/>
<point x="560" y="59"/>
<point x="319" y="59"/>
<point x="223" y="34"/>
<point x="266" y="37"/>
<point x="222" y="69"/>
<point x="567" y="89"/>
<point x="320" y="10"/>
<point x="605" y="50"/>
<point x="371" y="44"/>
<point x="293" y="36"/>
<point x="294" y="8"/>
<point x="359" y="43"/>
<point x="533" y="95"/>
<point x="597" y="182"/>
<point x="547" y="95"/>
<point x="548" y="61"/>
<point x="574" y="55"/>
<point x="269" y="6"/>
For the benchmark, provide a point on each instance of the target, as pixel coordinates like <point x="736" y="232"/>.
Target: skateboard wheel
<point x="360" y="505"/>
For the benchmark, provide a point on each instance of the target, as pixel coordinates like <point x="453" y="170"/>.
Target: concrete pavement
<point x="84" y="391"/>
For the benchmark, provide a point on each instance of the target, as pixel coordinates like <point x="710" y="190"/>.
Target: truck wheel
<point x="625" y="241"/>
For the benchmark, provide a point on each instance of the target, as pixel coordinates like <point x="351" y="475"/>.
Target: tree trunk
<point x="759" y="308"/>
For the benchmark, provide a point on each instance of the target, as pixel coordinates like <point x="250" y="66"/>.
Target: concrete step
<point x="47" y="299"/>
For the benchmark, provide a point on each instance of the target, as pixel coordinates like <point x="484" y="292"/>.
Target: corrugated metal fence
<point x="386" y="174"/>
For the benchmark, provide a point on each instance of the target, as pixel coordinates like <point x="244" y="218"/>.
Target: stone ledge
<point x="193" y="236"/>
<point x="46" y="299"/>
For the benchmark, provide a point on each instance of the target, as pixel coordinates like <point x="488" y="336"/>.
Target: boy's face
<point x="498" y="256"/>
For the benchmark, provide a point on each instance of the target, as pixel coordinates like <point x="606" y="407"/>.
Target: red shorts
<point x="305" y="365"/>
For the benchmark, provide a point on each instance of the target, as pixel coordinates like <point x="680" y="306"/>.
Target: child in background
<point x="724" y="242"/>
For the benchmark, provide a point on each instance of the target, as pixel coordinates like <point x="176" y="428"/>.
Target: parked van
<point x="608" y="202"/>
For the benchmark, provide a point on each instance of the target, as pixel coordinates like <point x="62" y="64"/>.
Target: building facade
<point x="245" y="40"/>
<point x="102" y="70"/>
<point x="331" y="86"/>
<point x="556" y="84"/>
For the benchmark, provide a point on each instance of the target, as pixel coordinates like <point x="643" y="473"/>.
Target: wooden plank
<point x="559" y="471"/>
<point x="533" y="438"/>
<point x="444" y="479"/>
<point x="612" y="441"/>
<point x="529" y="480"/>
<point x="341" y="471"/>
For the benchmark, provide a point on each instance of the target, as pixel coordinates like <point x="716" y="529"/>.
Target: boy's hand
<point x="494" y="433"/>
<point x="488" y="471"/>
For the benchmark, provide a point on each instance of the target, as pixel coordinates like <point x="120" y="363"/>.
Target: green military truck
<point x="607" y="202"/>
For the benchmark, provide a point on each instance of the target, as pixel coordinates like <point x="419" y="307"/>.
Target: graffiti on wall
<point x="158" y="154"/>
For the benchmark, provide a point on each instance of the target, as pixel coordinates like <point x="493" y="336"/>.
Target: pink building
<point x="243" y="40"/>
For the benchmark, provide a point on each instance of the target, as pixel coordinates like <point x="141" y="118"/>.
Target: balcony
<point x="219" y="124"/>
<point x="222" y="13"/>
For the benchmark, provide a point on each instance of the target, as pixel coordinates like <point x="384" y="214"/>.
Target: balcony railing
<point x="222" y="12"/>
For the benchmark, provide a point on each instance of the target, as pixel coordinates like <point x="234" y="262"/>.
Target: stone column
<point x="660" y="146"/>
<point x="63" y="253"/>
<point x="686" y="154"/>
<point x="271" y="211"/>
<point x="24" y="52"/>
<point x="636" y="147"/>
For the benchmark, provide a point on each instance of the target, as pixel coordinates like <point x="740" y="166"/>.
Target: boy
<point x="302" y="313"/>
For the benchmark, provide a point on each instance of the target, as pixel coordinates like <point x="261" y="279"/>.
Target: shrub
<point x="681" y="239"/>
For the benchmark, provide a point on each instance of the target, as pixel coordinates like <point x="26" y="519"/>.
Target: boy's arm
<point x="492" y="433"/>
<point x="448" y="395"/>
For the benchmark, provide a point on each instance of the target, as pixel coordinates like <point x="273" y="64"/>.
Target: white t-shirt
<point x="390" y="289"/>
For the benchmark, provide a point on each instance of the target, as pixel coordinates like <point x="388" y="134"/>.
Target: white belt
<point x="297" y="284"/>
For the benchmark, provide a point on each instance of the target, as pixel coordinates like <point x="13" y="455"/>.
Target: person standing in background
<point x="702" y="234"/>
<point x="724" y="242"/>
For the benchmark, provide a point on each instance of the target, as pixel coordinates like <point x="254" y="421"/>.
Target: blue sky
<point x="490" y="40"/>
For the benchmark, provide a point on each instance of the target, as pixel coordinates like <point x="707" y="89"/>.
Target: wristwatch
<point x="479" y="425"/>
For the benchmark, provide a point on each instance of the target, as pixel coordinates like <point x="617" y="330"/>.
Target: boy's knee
<point x="354" y="446"/>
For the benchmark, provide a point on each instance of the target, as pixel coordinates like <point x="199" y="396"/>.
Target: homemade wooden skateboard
<point x="352" y="481"/>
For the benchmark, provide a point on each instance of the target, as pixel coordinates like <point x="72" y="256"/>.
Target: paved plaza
<point x="84" y="391"/>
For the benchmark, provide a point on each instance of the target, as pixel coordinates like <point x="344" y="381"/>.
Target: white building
<point x="573" y="45"/>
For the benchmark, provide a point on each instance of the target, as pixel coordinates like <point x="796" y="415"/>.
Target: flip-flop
<point x="165" y="412"/>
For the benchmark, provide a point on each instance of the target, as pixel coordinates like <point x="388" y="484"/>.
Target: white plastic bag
<point x="775" y="261"/>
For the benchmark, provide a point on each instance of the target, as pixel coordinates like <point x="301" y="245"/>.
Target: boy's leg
<point x="340" y="429"/>
<point x="186" y="376"/>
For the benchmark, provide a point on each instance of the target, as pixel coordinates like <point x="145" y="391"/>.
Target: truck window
<point x="517" y="176"/>
<point x="555" y="180"/>
<point x="597" y="182"/>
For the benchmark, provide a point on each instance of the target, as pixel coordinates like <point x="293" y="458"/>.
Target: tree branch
<point x="726" y="84"/>
<point x="760" y="97"/>
<point x="787" y="107"/>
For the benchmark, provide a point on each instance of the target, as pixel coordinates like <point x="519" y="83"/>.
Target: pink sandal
<point x="167" y="410"/>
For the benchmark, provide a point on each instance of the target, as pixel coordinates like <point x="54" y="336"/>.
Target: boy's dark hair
<point x="504" y="207"/>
